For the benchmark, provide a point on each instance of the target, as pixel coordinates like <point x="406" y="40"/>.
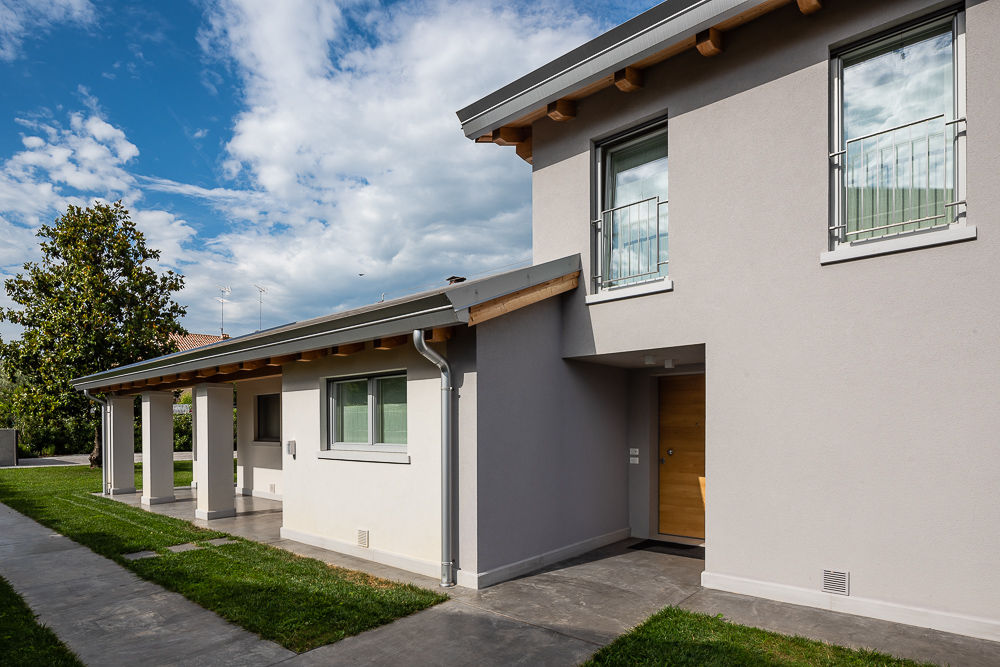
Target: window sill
<point x="266" y="443"/>
<point x="615" y="293"/>
<point x="860" y="250"/>
<point x="358" y="455"/>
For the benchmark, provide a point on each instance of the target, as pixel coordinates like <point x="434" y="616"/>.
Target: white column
<point x="214" y="467"/>
<point x="121" y="445"/>
<point x="194" y="442"/>
<point x="157" y="447"/>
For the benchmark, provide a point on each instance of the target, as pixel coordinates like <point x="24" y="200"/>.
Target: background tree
<point x="93" y="302"/>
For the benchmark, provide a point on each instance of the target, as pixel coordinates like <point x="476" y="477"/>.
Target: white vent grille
<point x="363" y="538"/>
<point x="837" y="581"/>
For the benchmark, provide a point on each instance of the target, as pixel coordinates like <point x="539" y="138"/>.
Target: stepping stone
<point x="181" y="548"/>
<point x="140" y="554"/>
<point x="219" y="541"/>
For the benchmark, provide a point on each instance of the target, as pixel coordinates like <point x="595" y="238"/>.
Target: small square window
<point x="267" y="425"/>
<point x="368" y="412"/>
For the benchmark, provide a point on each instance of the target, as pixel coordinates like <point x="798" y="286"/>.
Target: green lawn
<point x="298" y="602"/>
<point x="23" y="640"/>
<point x="677" y="637"/>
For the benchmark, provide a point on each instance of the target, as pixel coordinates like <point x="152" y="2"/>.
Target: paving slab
<point x="181" y="548"/>
<point x="109" y="616"/>
<point x="139" y="555"/>
<point x="453" y="633"/>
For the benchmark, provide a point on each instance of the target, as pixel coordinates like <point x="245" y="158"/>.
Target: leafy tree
<point x="93" y="302"/>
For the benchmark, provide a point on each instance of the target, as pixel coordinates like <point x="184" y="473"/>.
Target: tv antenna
<point x="225" y="291"/>
<point x="261" y="291"/>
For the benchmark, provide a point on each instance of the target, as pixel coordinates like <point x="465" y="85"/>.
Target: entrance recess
<point x="682" y="455"/>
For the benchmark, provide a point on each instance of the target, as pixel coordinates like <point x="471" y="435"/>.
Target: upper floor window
<point x="368" y="412"/>
<point x="898" y="126"/>
<point x="630" y="233"/>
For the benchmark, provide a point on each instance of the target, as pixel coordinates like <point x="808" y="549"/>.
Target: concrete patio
<point x="564" y="613"/>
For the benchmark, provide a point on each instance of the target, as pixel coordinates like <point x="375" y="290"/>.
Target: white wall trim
<point x="363" y="455"/>
<point x="517" y="568"/>
<point x="973" y="626"/>
<point x="952" y="234"/>
<point x="256" y="493"/>
<point x="408" y="563"/>
<point x="615" y="293"/>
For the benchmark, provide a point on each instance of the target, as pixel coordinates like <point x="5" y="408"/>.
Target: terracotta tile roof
<point x="193" y="340"/>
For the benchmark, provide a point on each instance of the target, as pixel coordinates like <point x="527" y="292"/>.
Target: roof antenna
<point x="225" y="291"/>
<point x="261" y="291"/>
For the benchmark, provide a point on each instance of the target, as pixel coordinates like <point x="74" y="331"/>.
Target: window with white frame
<point x="630" y="231"/>
<point x="367" y="412"/>
<point x="267" y="422"/>
<point x="898" y="135"/>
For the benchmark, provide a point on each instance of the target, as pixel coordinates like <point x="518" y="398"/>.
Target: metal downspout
<point x="104" y="438"/>
<point x="447" y="551"/>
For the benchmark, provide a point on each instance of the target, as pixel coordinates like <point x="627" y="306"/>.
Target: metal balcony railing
<point x="630" y="244"/>
<point x="896" y="181"/>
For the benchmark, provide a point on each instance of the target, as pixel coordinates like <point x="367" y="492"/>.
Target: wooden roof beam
<point x="282" y="359"/>
<point x="523" y="150"/>
<point x="521" y="298"/>
<point x="510" y="136"/>
<point x="390" y="342"/>
<point x="561" y="110"/>
<point x="313" y="355"/>
<point x="253" y="365"/>
<point x="809" y="6"/>
<point x="709" y="42"/>
<point x="628" y="80"/>
<point x="348" y="349"/>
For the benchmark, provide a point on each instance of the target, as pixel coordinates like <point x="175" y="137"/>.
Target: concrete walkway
<point x="558" y="616"/>
<point x="109" y="616"/>
<point x="563" y="614"/>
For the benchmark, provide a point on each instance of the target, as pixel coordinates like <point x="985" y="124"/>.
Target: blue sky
<point x="292" y="144"/>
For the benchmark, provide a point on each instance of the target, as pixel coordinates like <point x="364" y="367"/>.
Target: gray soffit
<point x="447" y="306"/>
<point x="652" y="31"/>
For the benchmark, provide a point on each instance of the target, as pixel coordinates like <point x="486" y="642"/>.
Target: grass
<point x="677" y="637"/>
<point x="301" y="603"/>
<point x="25" y="641"/>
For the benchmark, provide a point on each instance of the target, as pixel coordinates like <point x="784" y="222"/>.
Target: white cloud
<point x="19" y="18"/>
<point x="356" y="149"/>
<point x="346" y="157"/>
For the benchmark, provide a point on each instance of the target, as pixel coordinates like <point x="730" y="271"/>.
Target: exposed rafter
<point x="629" y="80"/>
<point x="709" y="42"/>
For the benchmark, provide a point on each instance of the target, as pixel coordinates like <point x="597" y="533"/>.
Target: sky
<point x="309" y="147"/>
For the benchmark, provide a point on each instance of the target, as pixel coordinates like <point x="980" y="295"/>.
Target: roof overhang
<point x="262" y="353"/>
<point x="655" y="35"/>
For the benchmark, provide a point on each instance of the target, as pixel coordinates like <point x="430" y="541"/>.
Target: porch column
<point x="214" y="468"/>
<point x="121" y="445"/>
<point x="194" y="442"/>
<point x="157" y="447"/>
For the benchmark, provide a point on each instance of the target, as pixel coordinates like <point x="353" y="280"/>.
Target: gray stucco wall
<point x="852" y="409"/>
<point x="551" y="441"/>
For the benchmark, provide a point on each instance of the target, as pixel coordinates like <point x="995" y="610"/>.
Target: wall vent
<point x="363" y="538"/>
<point x="837" y="581"/>
<point x="271" y="487"/>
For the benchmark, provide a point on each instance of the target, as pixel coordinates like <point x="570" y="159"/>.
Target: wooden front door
<point x="682" y="455"/>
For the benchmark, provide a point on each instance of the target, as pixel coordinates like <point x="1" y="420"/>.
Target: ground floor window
<point x="267" y="423"/>
<point x="367" y="412"/>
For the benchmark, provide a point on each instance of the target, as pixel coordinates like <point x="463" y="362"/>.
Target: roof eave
<point x="540" y="87"/>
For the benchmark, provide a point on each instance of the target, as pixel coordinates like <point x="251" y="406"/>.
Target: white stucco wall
<point x="258" y="469"/>
<point x="852" y="409"/>
<point x="326" y="502"/>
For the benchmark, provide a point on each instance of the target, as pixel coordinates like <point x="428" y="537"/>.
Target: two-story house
<point x="761" y="317"/>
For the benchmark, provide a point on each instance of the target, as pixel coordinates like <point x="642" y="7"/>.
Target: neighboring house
<point x="190" y="341"/>
<point x="801" y="372"/>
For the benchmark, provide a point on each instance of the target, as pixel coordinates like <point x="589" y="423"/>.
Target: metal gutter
<point x="447" y="306"/>
<point x="447" y="446"/>
<point x="654" y="30"/>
